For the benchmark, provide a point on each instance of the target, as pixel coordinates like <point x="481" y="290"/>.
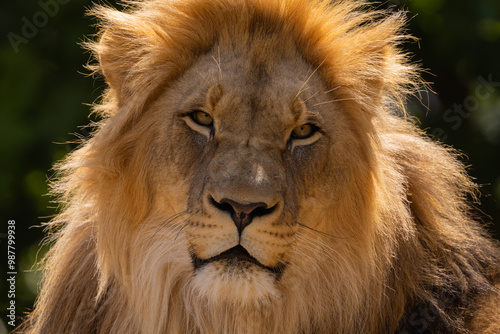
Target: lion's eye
<point x="304" y="131"/>
<point x="201" y="118"/>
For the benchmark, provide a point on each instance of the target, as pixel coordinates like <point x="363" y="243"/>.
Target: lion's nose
<point x="242" y="214"/>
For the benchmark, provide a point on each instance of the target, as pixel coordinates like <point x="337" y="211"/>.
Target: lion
<point x="255" y="172"/>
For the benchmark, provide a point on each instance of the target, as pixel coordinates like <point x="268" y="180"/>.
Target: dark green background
<point x="45" y="93"/>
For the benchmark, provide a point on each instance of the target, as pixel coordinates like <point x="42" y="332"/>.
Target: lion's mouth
<point x="235" y="256"/>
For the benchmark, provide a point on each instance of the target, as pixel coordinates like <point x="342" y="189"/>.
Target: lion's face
<point x="244" y="149"/>
<point x="250" y="175"/>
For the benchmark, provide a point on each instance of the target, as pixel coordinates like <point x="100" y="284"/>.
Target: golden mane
<point x="419" y="263"/>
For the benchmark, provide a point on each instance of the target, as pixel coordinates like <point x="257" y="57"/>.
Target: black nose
<point x="242" y="214"/>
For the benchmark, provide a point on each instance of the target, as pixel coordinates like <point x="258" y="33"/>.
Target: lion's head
<point x="251" y="175"/>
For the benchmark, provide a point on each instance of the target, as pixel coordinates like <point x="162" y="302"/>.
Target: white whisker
<point x="339" y="100"/>
<point x="309" y="78"/>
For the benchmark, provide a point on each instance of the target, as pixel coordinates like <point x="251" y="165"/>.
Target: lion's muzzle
<point x="242" y="214"/>
<point x="237" y="256"/>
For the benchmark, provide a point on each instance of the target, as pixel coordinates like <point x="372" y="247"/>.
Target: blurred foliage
<point x="44" y="98"/>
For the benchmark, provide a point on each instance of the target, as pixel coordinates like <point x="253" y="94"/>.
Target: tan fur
<point x="371" y="230"/>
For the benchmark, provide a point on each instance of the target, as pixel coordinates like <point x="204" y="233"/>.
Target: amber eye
<point x="202" y="118"/>
<point x="304" y="131"/>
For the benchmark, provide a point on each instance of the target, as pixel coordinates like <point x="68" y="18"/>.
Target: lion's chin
<point x="229" y="282"/>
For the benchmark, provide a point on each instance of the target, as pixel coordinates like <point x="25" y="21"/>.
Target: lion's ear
<point x="136" y="55"/>
<point x="121" y="48"/>
<point x="126" y="48"/>
<point x="113" y="59"/>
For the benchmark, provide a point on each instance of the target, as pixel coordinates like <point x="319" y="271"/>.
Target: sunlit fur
<point x="383" y="242"/>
